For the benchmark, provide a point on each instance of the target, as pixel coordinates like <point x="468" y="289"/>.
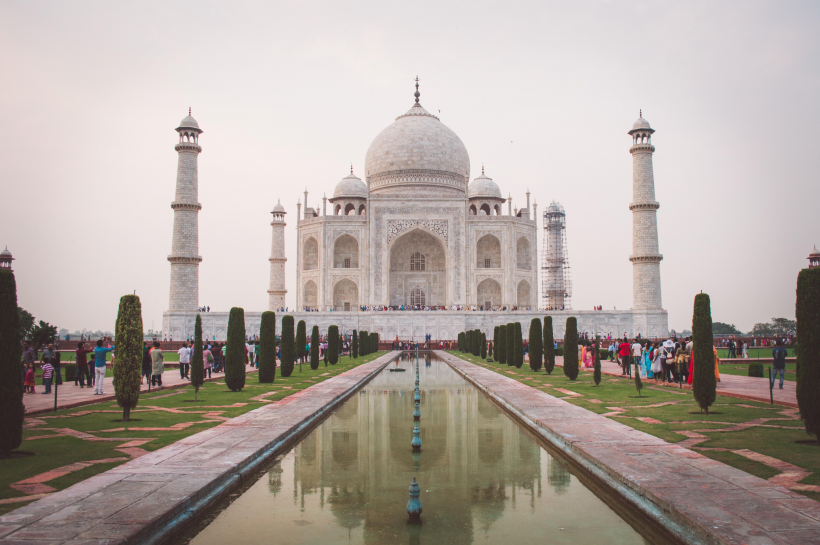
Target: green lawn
<point x="743" y="370"/>
<point x="37" y="456"/>
<point x="755" y="353"/>
<point x="789" y="443"/>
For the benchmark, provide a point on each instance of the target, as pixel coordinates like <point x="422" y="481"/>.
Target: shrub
<point x="571" y="348"/>
<point x="559" y="351"/>
<point x="510" y="344"/>
<point x="333" y="344"/>
<point x="374" y="342"/>
<point x="197" y="364"/>
<point x="363" y="338"/>
<point x="355" y="345"/>
<point x="501" y="348"/>
<point x="286" y="346"/>
<point x="703" y="383"/>
<point x="519" y="346"/>
<point x="535" y="344"/>
<point x="549" y="345"/>
<point x="596" y="372"/>
<point x="477" y="342"/>
<point x="301" y="341"/>
<point x="128" y="369"/>
<point x="755" y="369"/>
<point x="314" y="348"/>
<point x="267" y="348"/>
<point x="490" y="351"/>
<point x="235" y="350"/>
<point x="808" y="348"/>
<point x="11" y="371"/>
<point x="483" y="346"/>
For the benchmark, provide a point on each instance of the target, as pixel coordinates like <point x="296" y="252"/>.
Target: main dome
<point x="418" y="155"/>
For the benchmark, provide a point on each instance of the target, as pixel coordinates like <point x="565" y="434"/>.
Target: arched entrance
<point x="489" y="294"/>
<point x="345" y="296"/>
<point x="418" y="270"/>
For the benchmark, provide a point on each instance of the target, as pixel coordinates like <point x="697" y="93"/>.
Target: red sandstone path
<point x="69" y="396"/>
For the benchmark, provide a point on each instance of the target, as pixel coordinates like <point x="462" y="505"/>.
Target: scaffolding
<point x="556" y="282"/>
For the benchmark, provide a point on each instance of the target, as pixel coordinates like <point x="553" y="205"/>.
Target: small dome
<point x="641" y="123"/>
<point x="555" y="207"/>
<point x="350" y="186"/>
<point x="814" y="252"/>
<point x="279" y="209"/>
<point x="189" y="122"/>
<point x="485" y="187"/>
<point x="7" y="253"/>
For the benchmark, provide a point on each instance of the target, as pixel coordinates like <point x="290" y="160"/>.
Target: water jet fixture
<point x="414" y="503"/>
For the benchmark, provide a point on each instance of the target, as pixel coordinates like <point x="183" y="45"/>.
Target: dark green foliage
<point x="510" y="342"/>
<point x="808" y="348"/>
<point x="286" y="347"/>
<point x="490" y="351"/>
<point x="469" y="341"/>
<point x="703" y="383"/>
<point x="495" y="340"/>
<point x="460" y="342"/>
<point x="355" y="345"/>
<point x="549" y="345"/>
<point x="197" y="363"/>
<point x="11" y="370"/>
<point x="483" y="346"/>
<point x="519" y="346"/>
<point x="333" y="344"/>
<point x="128" y="363"/>
<point x="301" y="340"/>
<point x="476" y="342"/>
<point x="235" y="350"/>
<point x="42" y="334"/>
<point x="26" y="322"/>
<point x="374" y="342"/>
<point x="501" y="346"/>
<point x="267" y="348"/>
<point x="363" y="338"/>
<point x="536" y="351"/>
<point x="571" y="348"/>
<point x="596" y="371"/>
<point x="755" y="369"/>
<point x="314" y="348"/>
<point x="324" y="357"/>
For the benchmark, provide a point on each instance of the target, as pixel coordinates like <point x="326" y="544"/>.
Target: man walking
<point x="623" y="354"/>
<point x="99" y="366"/>
<point x="184" y="361"/>
<point x="779" y="365"/>
<point x="637" y="349"/>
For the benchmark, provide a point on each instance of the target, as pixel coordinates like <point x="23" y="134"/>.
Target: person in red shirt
<point x="81" y="358"/>
<point x="623" y="355"/>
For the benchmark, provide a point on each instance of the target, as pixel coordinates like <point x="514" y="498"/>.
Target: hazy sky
<point x="541" y="93"/>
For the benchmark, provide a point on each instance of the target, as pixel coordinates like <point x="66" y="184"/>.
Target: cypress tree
<point x="197" y="364"/>
<point x="596" y="371"/>
<point x="363" y="348"/>
<point x="571" y="349"/>
<point x="476" y="342"/>
<point x="324" y="357"/>
<point x="549" y="345"/>
<point x="11" y="369"/>
<point x="355" y="347"/>
<point x="468" y="338"/>
<point x="128" y="368"/>
<point x="703" y="383"/>
<point x="483" y="346"/>
<point x="333" y="344"/>
<point x="519" y="346"/>
<point x="490" y="352"/>
<point x="807" y="312"/>
<point x="510" y="344"/>
<point x="286" y="346"/>
<point x="535" y="344"/>
<point x="314" y="348"/>
<point x="374" y="342"/>
<point x="235" y="350"/>
<point x="267" y="348"/>
<point x="495" y="339"/>
<point x="501" y="347"/>
<point x="301" y="341"/>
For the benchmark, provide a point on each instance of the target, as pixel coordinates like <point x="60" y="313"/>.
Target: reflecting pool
<point x="483" y="479"/>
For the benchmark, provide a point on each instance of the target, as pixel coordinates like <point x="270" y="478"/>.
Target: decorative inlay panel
<point x="397" y="227"/>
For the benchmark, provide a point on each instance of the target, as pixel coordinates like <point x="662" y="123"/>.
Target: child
<point x="29" y="382"/>
<point x="48" y="370"/>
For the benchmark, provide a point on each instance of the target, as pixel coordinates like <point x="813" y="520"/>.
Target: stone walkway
<point x="698" y="499"/>
<point x="155" y="494"/>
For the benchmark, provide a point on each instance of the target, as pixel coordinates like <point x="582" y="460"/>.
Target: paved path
<point x="69" y="395"/>
<point x="147" y="499"/>
<point x="697" y="499"/>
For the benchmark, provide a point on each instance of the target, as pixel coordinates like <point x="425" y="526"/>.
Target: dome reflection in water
<point x="483" y="479"/>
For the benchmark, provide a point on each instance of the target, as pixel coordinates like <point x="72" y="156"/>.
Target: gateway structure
<point x="415" y="233"/>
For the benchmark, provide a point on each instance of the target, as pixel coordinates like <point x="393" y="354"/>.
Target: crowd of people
<point x="668" y="361"/>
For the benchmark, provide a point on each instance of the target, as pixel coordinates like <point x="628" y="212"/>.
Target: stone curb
<point x="151" y="498"/>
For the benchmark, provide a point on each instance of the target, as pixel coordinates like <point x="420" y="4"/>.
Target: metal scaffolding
<point x="556" y="282"/>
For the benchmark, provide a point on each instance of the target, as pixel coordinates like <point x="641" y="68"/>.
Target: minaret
<point x="645" y="258"/>
<point x="184" y="256"/>
<point x="277" y="291"/>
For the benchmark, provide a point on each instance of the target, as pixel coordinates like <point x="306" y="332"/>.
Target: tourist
<point x="611" y="351"/>
<point x="146" y="364"/>
<point x="157" y="365"/>
<point x="637" y="352"/>
<point x="29" y="357"/>
<point x="28" y="382"/>
<point x="256" y="353"/>
<point x="48" y="370"/>
<point x="646" y="360"/>
<point x="99" y="366"/>
<point x="207" y="362"/>
<point x="667" y="352"/>
<point x="623" y="353"/>
<point x="745" y="350"/>
<point x="779" y="363"/>
<point x="184" y="361"/>
<point x="81" y="360"/>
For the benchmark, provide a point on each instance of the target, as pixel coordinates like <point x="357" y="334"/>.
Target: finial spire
<point x="189" y="110"/>
<point x="640" y="114"/>
<point x="417" y="94"/>
<point x="351" y="168"/>
<point x="482" y="169"/>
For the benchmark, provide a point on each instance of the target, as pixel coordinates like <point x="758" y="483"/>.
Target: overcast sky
<point x="288" y="95"/>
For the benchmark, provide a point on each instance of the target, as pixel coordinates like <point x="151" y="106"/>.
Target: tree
<point x="519" y="346"/>
<point x="301" y="341"/>
<point x="510" y="341"/>
<point x="483" y="346"/>
<point x="719" y="328"/>
<point x="762" y="330"/>
<point x="286" y="346"/>
<point x="333" y="344"/>
<point x="197" y="361"/>
<point x="374" y="342"/>
<point x="11" y="371"/>
<point x="26" y="322"/>
<point x="355" y="348"/>
<point x="501" y="347"/>
<point x="535" y="344"/>
<point x="267" y="348"/>
<point x="703" y="383"/>
<point x="128" y="368"/>
<point x="783" y="326"/>
<point x="549" y="345"/>
<point x="808" y="348"/>
<point x="314" y="348"/>
<point x="363" y="348"/>
<point x="596" y="371"/>
<point x="571" y="348"/>
<point x="235" y="351"/>
<point x="476" y="343"/>
<point x="42" y="334"/>
<point x="469" y="338"/>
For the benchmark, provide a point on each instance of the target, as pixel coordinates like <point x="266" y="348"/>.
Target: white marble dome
<point x="350" y="186"/>
<point x="814" y="252"/>
<point x="641" y="123"/>
<point x="418" y="150"/>
<point x="484" y="187"/>
<point x="279" y="209"/>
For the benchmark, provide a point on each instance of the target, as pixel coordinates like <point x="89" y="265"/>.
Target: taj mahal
<point x="415" y="248"/>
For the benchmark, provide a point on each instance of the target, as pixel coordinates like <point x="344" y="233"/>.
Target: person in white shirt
<point x="184" y="361"/>
<point x="637" y="350"/>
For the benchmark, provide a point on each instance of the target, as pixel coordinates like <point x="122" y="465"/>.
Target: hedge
<point x="286" y="346"/>
<point x="549" y="346"/>
<point x="333" y="344"/>
<point x="571" y="348"/>
<point x="519" y="346"/>
<point x="510" y="342"/>
<point x="267" y="348"/>
<point x="704" y="384"/>
<point x="536" y="351"/>
<point x="235" y="350"/>
<point x="501" y="345"/>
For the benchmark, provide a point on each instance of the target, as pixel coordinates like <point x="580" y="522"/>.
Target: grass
<point x="743" y="370"/>
<point x="754" y="353"/>
<point x="54" y="450"/>
<point x="788" y="443"/>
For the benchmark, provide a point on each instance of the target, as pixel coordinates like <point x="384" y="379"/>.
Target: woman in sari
<point x="646" y="360"/>
<point x="587" y="356"/>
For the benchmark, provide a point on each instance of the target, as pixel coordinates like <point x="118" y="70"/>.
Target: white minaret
<point x="645" y="258"/>
<point x="184" y="256"/>
<point x="277" y="291"/>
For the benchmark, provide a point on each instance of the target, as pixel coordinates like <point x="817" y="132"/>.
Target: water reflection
<point x="480" y="476"/>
